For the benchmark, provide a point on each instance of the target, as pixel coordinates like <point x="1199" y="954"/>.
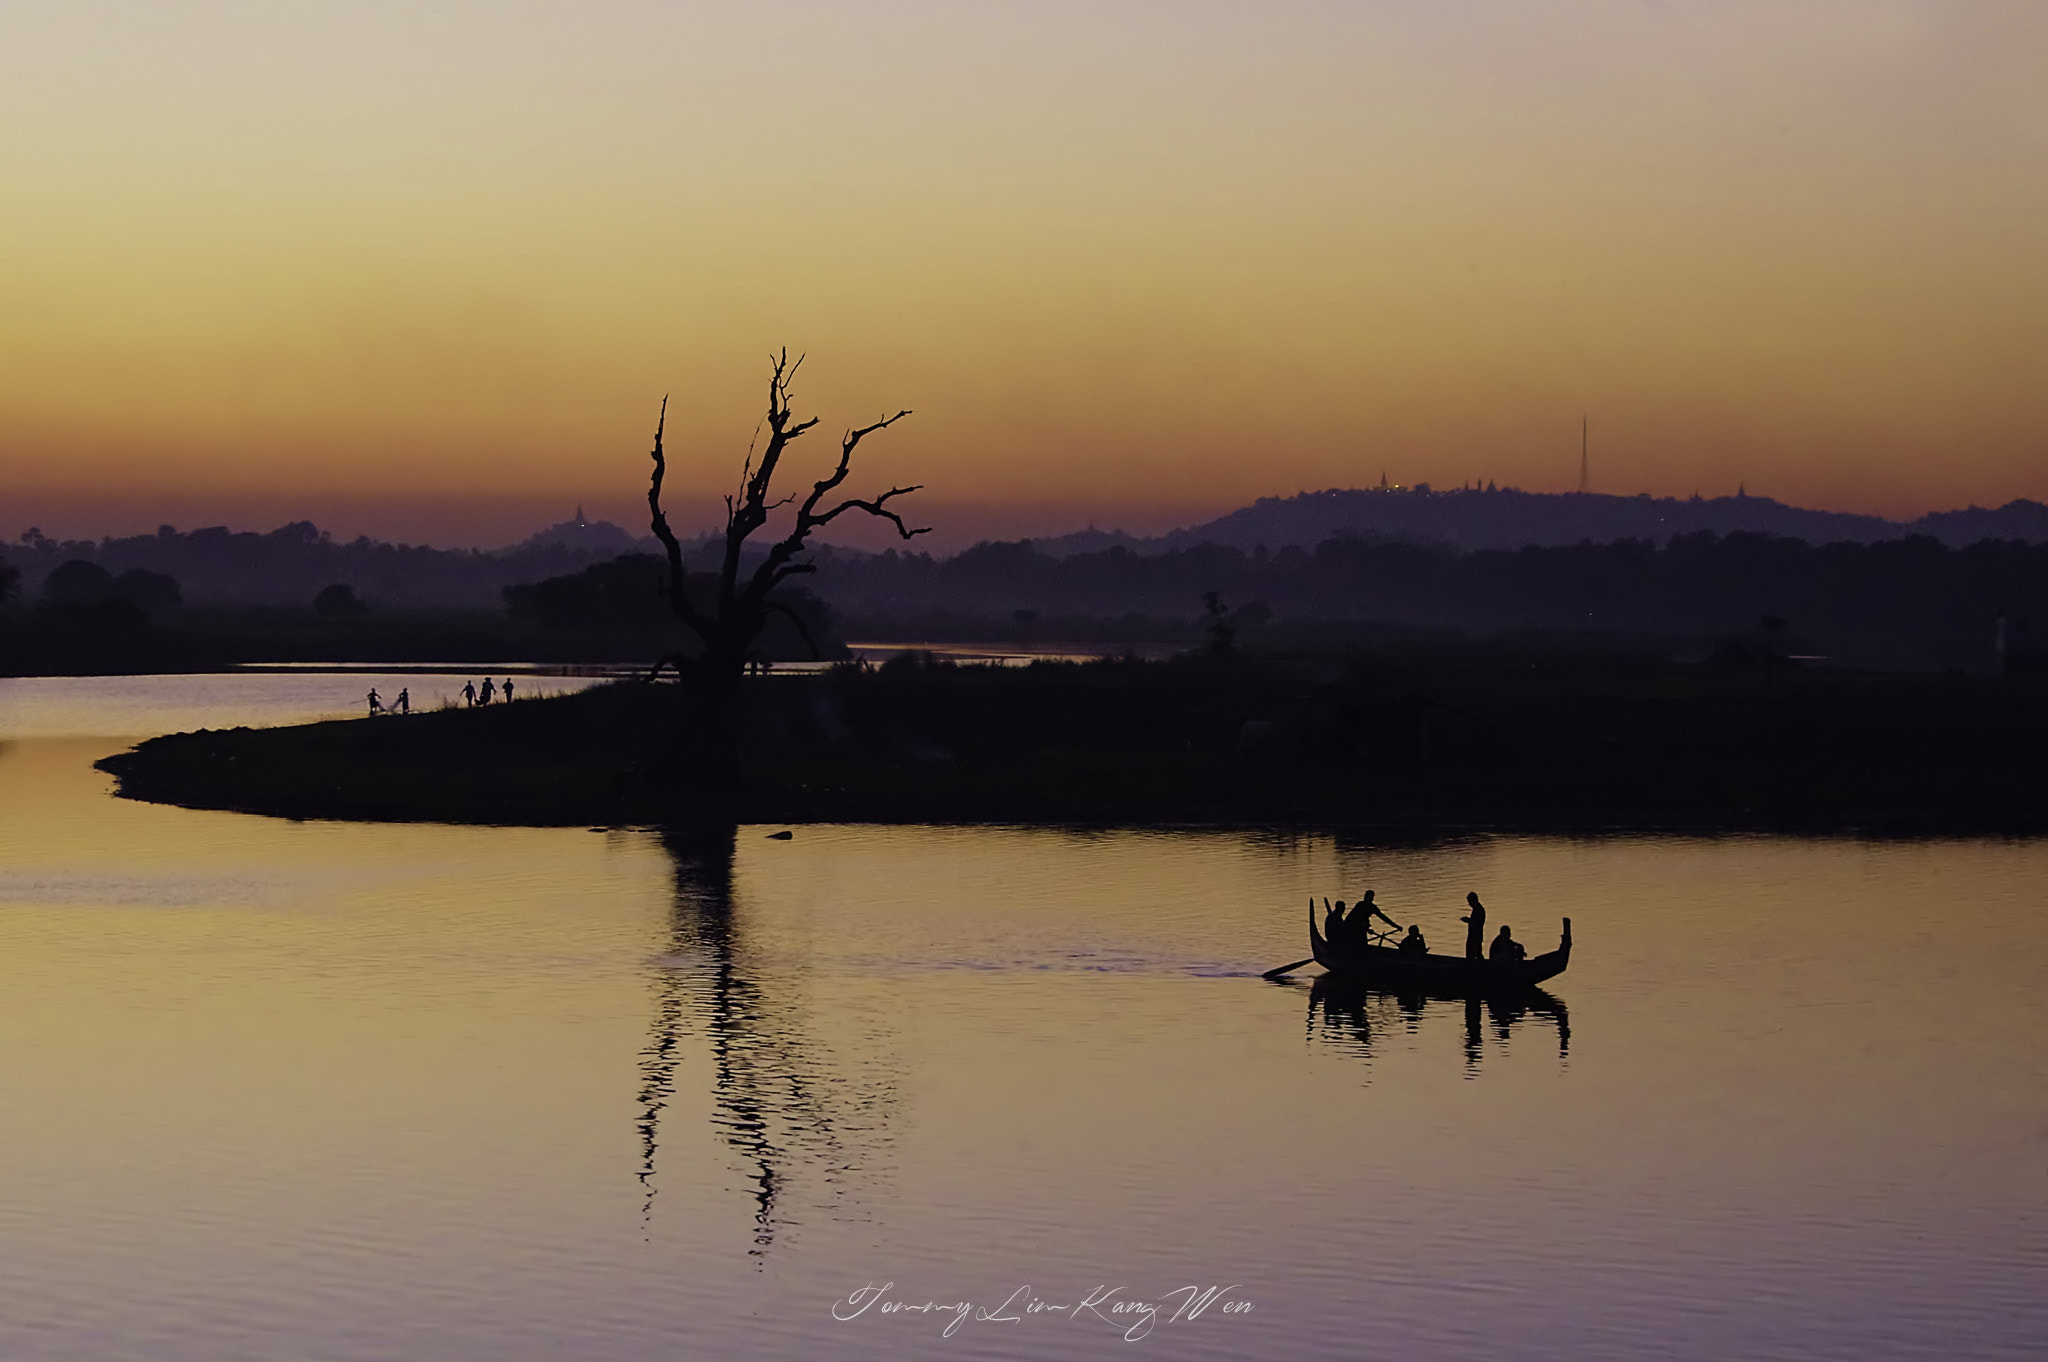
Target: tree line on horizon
<point x="1913" y="600"/>
<point x="287" y="565"/>
<point x="290" y="565"/>
<point x="1908" y="600"/>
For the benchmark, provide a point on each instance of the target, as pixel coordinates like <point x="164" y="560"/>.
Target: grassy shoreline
<point x="1565" y="748"/>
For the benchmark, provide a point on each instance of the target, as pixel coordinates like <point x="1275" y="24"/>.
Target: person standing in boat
<point x="1357" y="928"/>
<point x="1475" y="928"/>
<point x="1506" y="950"/>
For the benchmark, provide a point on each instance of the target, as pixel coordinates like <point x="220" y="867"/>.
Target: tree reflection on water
<point x="1350" y="1015"/>
<point x="789" y="1105"/>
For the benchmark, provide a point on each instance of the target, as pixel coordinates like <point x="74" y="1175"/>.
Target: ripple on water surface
<point x="286" y="1089"/>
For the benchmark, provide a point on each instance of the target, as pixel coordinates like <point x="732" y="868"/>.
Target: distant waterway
<point x="283" y="1089"/>
<point x="144" y="706"/>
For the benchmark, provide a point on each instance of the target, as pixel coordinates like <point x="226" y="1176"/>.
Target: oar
<point x="1287" y="969"/>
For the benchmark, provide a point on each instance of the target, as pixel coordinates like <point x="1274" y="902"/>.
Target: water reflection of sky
<point x="143" y="706"/>
<point x="282" y="1089"/>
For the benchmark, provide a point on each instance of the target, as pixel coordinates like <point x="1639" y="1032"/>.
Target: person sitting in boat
<point x="1506" y="949"/>
<point x="1333" y="922"/>
<point x="1413" y="944"/>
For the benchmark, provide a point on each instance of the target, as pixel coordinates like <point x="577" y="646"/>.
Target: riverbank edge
<point x="580" y="761"/>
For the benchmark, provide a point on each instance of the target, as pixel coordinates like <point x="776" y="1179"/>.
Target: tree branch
<point x="797" y="620"/>
<point x="789" y="570"/>
<point x="676" y="660"/>
<point x="808" y="518"/>
<point x="875" y="508"/>
<point x="751" y="512"/>
<point x="679" y="602"/>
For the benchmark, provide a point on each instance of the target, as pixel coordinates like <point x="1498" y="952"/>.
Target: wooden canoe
<point x="1453" y="975"/>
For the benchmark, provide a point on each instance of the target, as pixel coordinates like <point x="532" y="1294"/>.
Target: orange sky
<point x="427" y="271"/>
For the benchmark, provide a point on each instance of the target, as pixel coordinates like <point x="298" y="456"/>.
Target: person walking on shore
<point x="376" y="705"/>
<point x="469" y="693"/>
<point x="404" y="702"/>
<point x="508" y="690"/>
<point x="488" y="692"/>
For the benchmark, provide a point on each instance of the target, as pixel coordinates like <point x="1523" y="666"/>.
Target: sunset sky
<point x="426" y="270"/>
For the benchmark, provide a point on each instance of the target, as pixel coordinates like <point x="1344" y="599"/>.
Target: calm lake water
<point x="281" y="1089"/>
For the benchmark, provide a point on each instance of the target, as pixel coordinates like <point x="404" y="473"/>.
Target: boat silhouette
<point x="1439" y="975"/>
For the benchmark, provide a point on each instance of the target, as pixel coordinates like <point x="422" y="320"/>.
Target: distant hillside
<point x="1507" y="518"/>
<point x="595" y="538"/>
<point x="1092" y="540"/>
<point x="291" y="564"/>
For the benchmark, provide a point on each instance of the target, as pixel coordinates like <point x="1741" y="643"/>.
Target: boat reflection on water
<point x="1348" y="1013"/>
<point x="792" y="1108"/>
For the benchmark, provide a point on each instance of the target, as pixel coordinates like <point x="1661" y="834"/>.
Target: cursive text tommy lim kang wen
<point x="1132" y="1315"/>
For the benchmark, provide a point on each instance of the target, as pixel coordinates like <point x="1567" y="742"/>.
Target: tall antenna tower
<point x="1585" y="481"/>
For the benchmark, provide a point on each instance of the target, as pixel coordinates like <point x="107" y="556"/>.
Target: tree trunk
<point x="700" y="761"/>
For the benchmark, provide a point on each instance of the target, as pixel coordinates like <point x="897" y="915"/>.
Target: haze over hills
<point x="287" y="566"/>
<point x="1507" y="518"/>
<point x="581" y="537"/>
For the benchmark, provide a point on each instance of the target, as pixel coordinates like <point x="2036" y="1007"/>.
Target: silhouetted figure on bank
<point x="508" y="690"/>
<point x="488" y="692"/>
<point x="404" y="702"/>
<point x="469" y="693"/>
<point x="1506" y="949"/>
<point x="1413" y="944"/>
<point x="376" y="705"/>
<point x="1475" y="928"/>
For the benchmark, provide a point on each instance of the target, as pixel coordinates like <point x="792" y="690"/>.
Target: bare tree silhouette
<point x="742" y="601"/>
